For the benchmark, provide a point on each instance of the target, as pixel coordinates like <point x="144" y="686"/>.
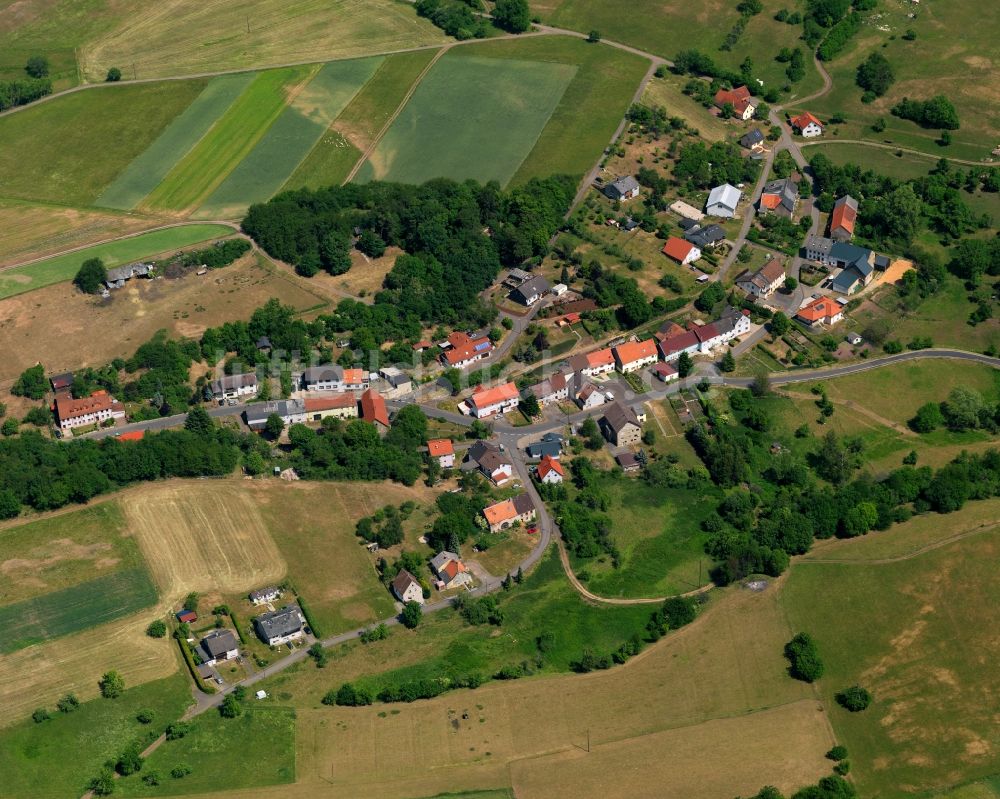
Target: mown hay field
<point x="142" y="246"/>
<point x="181" y="37"/>
<point x="919" y="633"/>
<point x="448" y="127"/>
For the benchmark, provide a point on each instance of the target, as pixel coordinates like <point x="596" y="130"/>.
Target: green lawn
<point x="64" y="267"/>
<point x="450" y="126"/>
<point x="255" y="749"/>
<point x="658" y="532"/>
<point x="331" y="160"/>
<point x="290" y="139"/>
<point x="69" y="150"/>
<point x="57" y="758"/>
<point x="145" y="172"/>
<point x="919" y="634"/>
<point x="229" y="141"/>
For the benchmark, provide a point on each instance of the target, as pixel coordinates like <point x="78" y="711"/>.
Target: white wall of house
<point x="494" y="409"/>
<point x="635" y="366"/>
<point x="811" y="130"/>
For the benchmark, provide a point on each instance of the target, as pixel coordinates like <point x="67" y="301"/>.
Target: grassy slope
<point x="331" y="159"/>
<point x="194" y="177"/>
<point x="919" y="634"/>
<point x="591" y="107"/>
<point x="57" y="758"/>
<point x="289" y="140"/>
<point x="440" y="132"/>
<point x="146" y="245"/>
<point x="145" y="172"/>
<point x="261" y="741"/>
<point x="70" y="149"/>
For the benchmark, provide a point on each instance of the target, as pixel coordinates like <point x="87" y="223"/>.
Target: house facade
<point x="281" y="626"/>
<point x="590" y="396"/>
<point x="291" y="411"/>
<point x="722" y="201"/>
<point x="620" y="426"/>
<point x="264" y="595"/>
<point x="407" y="588"/>
<point x="807" y="125"/>
<point x="765" y="281"/>
<point x="593" y="364"/>
<point x="339" y="406"/>
<point x="552" y="389"/>
<point x="333" y="377"/>
<point x="549" y="471"/>
<point x="234" y="386"/>
<point x="464" y="350"/>
<point x="443" y="451"/>
<point x="97" y="409"/>
<point x="684" y="252"/>
<point x="634" y="355"/>
<point x="487" y="402"/>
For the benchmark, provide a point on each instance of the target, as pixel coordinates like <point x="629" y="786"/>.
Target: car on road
<point x="533" y="529"/>
<point x="232" y="402"/>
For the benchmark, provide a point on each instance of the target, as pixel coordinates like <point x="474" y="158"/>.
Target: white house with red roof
<point x="807" y="125"/>
<point x="464" y="350"/>
<point x="634" y="355"/>
<point x="486" y="402"/>
<point x="443" y="451"/>
<point x="549" y="470"/>
<point x="98" y="408"/>
<point x="684" y="252"/>
<point x="593" y="363"/>
<point x="740" y="99"/>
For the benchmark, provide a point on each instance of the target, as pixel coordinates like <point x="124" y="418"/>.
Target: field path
<point x="894" y="148"/>
<point x="983" y="528"/>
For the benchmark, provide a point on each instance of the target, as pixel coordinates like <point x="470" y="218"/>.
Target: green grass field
<point x="331" y="160"/>
<point x="145" y="172"/>
<point x="64" y="267"/>
<point x="919" y="634"/>
<point x="261" y="742"/>
<point x="658" y="532"/>
<point x="80" y="607"/>
<point x="56" y="759"/>
<point x="448" y="128"/>
<point x="229" y="141"/>
<point x="69" y="150"/>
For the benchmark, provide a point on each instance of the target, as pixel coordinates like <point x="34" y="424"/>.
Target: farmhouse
<point x="779" y="197"/>
<point x="621" y="426"/>
<point x="765" y="281"/>
<point x="634" y="355"/>
<point x="372" y="409"/>
<point x="463" y="349"/>
<point x="819" y="312"/>
<point x="502" y="515"/>
<point x="450" y="571"/>
<point x="590" y="396"/>
<point x="219" y="645"/>
<point x="722" y="201"/>
<point x="672" y="347"/>
<point x="98" y="408"/>
<point x="705" y="238"/>
<point x="443" y="451"/>
<point x="339" y="406"/>
<point x="118" y="276"/>
<point x="549" y="470"/>
<point x="592" y="364"/>
<point x="705" y="338"/>
<point x="264" y="595"/>
<point x="407" y="588"/>
<point x="753" y="140"/>
<point x="530" y="291"/>
<point x="281" y="626"/>
<point x="233" y="386"/>
<point x="684" y="252"/>
<point x="333" y="377"/>
<point x="491" y="461"/>
<point x="843" y="217"/>
<point x="621" y="189"/>
<point x="291" y="411"/>
<point x="740" y="99"/>
<point x="807" y="125"/>
<point x="550" y="446"/>
<point x="486" y="402"/>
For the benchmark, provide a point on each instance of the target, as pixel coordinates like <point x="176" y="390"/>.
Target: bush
<point x="804" y="658"/>
<point x="309" y="617"/>
<point x="938" y="112"/>
<point x="40" y="715"/>
<point x="838" y="37"/>
<point x="114" y="75"/>
<point x="104" y="783"/>
<point x="68" y="703"/>
<point x="180" y="771"/>
<point x="230" y="707"/>
<point x="854" y="699"/>
<point x="157" y="629"/>
<point x="37" y="66"/>
<point x="177" y="730"/>
<point x="112" y="685"/>
<point x="145" y="716"/>
<point x="837" y="753"/>
<point x="129" y="762"/>
<point x="349" y="696"/>
<point x="411" y="615"/>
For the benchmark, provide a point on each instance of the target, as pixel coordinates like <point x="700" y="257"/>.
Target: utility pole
<point x="134" y="74"/>
<point x="248" y="24"/>
<point x="588" y="739"/>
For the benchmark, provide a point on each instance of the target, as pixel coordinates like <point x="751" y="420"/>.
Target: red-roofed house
<point x="672" y="347"/>
<point x="740" y="99"/>
<point x="95" y="409"/>
<point x="821" y="311"/>
<point x="843" y="217"/>
<point x="593" y="363"/>
<point x="373" y="409"/>
<point x="684" y="252"/>
<point x="486" y="402"/>
<point x="665" y="372"/>
<point x="807" y="125"/>
<point x="443" y="450"/>
<point x="549" y="470"/>
<point x="466" y="350"/>
<point x="633" y="355"/>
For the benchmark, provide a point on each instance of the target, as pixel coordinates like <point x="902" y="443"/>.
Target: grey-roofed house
<point x="620" y="425"/>
<point x="705" y="238"/>
<point x="551" y="445"/>
<point x="628" y="462"/>
<point x="882" y="262"/>
<point x="281" y="626"/>
<point x="624" y="188"/>
<point x="779" y="197"/>
<point x="530" y="291"/>
<point x="264" y="595"/>
<point x="753" y="139"/>
<point x="292" y="411"/>
<point x="490" y="461"/>
<point x="264" y="344"/>
<point x="629" y="224"/>
<point x="219" y="645"/>
<point x="765" y="281"/>
<point x="722" y="201"/>
<point x="233" y="386"/>
<point x="407" y="588"/>
<point x="818" y="248"/>
<point x="688" y="224"/>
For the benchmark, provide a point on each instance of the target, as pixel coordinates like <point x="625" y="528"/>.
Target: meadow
<point x="145" y="173"/>
<point x="142" y="246"/>
<point x="290" y="139"/>
<point x="178" y="37"/>
<point x="917" y="632"/>
<point x="338" y="150"/>
<point x="192" y="179"/>
<point x="440" y="132"/>
<point x="69" y="150"/>
<point x="56" y="759"/>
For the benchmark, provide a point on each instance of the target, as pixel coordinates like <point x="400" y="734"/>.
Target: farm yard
<point x="61" y="268"/>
